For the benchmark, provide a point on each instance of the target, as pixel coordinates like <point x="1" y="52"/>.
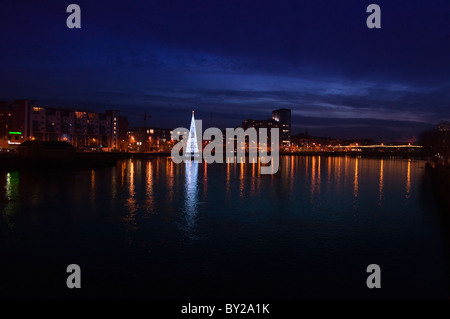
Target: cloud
<point x="236" y="59"/>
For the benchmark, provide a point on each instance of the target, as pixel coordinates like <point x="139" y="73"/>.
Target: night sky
<point x="232" y="60"/>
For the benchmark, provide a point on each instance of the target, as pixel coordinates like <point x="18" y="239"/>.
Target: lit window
<point x="80" y="114"/>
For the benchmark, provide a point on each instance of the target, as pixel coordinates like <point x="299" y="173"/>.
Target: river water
<point x="155" y="229"/>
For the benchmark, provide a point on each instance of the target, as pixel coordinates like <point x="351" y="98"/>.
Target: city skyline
<point x="232" y="61"/>
<point x="227" y="156"/>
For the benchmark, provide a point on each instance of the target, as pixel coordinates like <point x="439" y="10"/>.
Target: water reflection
<point x="337" y="173"/>
<point x="274" y="213"/>
<point x="12" y="186"/>
<point x="253" y="179"/>
<point x="348" y="176"/>
<point x="149" y="196"/>
<point x="122" y="173"/>
<point x="205" y="180"/>
<point x="291" y="168"/>
<point x="318" y="174"/>
<point x="12" y="197"/>
<point x="313" y="177"/>
<point x="355" y="181"/>
<point x="131" y="201"/>
<point x="408" y="181"/>
<point x="113" y="185"/>
<point x="170" y="178"/>
<point x="241" y="180"/>
<point x="92" y="186"/>
<point x="191" y="199"/>
<point x="381" y="184"/>
<point x="228" y="179"/>
<point x="8" y="187"/>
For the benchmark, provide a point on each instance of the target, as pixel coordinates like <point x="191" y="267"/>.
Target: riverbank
<point x="15" y="161"/>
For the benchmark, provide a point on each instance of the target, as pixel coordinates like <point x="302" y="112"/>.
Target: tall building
<point x="283" y="116"/>
<point x="259" y="124"/>
<point x="122" y="135"/>
<point x="22" y="120"/>
<point x="14" y="122"/>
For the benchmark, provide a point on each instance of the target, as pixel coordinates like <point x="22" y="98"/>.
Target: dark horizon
<point x="230" y="61"/>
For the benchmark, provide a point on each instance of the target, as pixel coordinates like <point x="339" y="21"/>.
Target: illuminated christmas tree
<point x="192" y="144"/>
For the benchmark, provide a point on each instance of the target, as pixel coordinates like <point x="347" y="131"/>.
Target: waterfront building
<point x="23" y="120"/>
<point x="149" y="139"/>
<point x="283" y="117"/>
<point x="444" y="127"/>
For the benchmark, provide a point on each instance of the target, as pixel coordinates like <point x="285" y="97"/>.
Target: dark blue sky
<point x="232" y="60"/>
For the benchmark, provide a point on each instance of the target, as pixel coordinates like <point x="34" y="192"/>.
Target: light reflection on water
<point x="380" y="198"/>
<point x="191" y="198"/>
<point x="336" y="176"/>
<point x="316" y="212"/>
<point x="150" y="197"/>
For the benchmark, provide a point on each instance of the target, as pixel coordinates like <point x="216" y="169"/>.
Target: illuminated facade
<point x="283" y="116"/>
<point x="444" y="127"/>
<point x="22" y="120"/>
<point x="258" y="124"/>
<point x="192" y="143"/>
<point x="149" y="139"/>
<point x="281" y="119"/>
<point x="14" y="118"/>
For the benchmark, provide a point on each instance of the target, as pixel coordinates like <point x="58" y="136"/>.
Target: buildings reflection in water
<point x="191" y="199"/>
<point x="92" y="187"/>
<point x="10" y="199"/>
<point x="356" y="185"/>
<point x="177" y="194"/>
<point x="149" y="187"/>
<point x="381" y="185"/>
<point x="408" y="181"/>
<point x="315" y="177"/>
<point x="131" y="201"/>
<point x="149" y="196"/>
<point x="355" y="181"/>
<point x="345" y="175"/>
